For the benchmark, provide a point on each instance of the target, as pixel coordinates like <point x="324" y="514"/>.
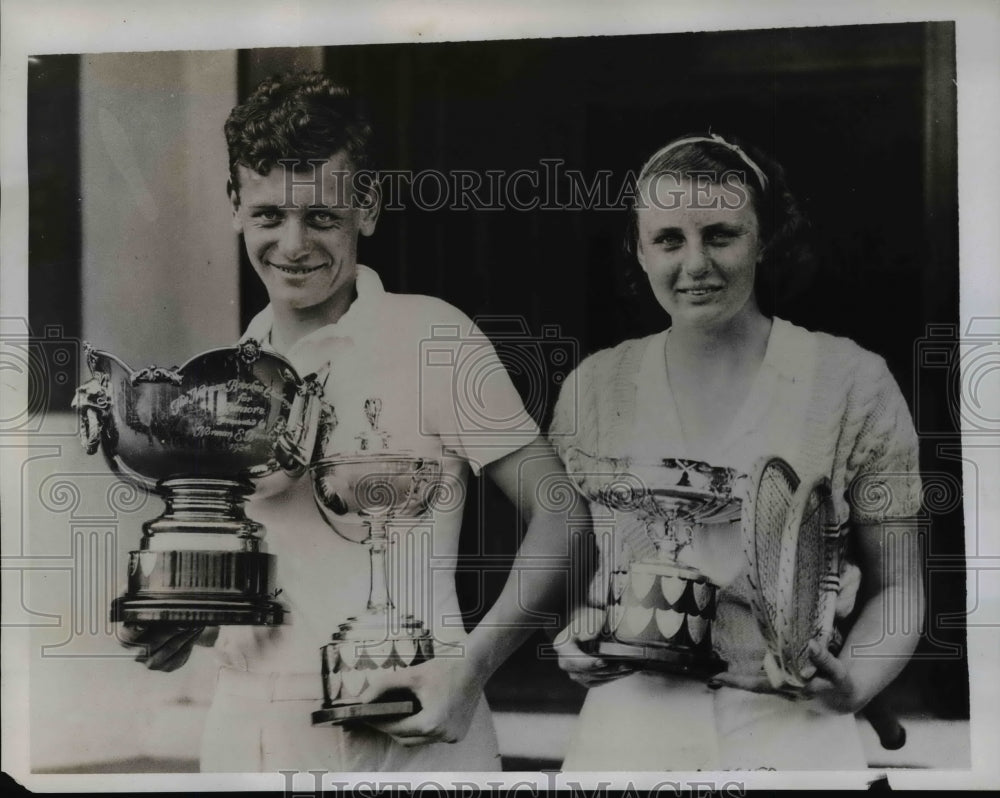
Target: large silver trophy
<point x="659" y="611"/>
<point x="203" y="437"/>
<point x="358" y="495"/>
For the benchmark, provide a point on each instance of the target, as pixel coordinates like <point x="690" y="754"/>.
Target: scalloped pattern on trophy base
<point x="661" y="619"/>
<point x="131" y="610"/>
<point x="375" y="710"/>
<point x="346" y="664"/>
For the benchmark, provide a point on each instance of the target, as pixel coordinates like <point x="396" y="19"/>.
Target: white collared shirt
<point x="443" y="393"/>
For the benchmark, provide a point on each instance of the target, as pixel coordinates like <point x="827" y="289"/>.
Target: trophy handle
<point x="92" y="403"/>
<point x="293" y="448"/>
<point x="90" y="429"/>
<point x="122" y="471"/>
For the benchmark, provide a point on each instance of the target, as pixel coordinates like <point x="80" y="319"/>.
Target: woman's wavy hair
<point x="298" y="116"/>
<point x="783" y="227"/>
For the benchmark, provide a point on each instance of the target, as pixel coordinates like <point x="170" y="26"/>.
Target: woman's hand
<point x="162" y="646"/>
<point x="448" y="691"/>
<point x="832" y="689"/>
<point x="850" y="584"/>
<point x="581" y="667"/>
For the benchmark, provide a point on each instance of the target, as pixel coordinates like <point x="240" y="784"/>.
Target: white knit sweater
<point x="855" y="427"/>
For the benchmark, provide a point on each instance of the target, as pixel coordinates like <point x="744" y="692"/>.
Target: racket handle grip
<point x="879" y="713"/>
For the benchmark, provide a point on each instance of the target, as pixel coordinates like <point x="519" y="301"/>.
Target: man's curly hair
<point x="300" y="116"/>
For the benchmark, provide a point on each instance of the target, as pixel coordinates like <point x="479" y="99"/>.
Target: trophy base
<point x="132" y="610"/>
<point x="215" y="588"/>
<point x="376" y="710"/>
<point x="654" y="658"/>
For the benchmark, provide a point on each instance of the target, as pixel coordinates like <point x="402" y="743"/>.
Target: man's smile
<point x="298" y="271"/>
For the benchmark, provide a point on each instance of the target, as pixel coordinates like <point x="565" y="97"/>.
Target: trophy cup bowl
<point x="202" y="437"/>
<point x="659" y="611"/>
<point x="357" y="495"/>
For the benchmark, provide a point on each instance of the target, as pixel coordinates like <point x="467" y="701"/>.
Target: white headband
<point x="714" y="138"/>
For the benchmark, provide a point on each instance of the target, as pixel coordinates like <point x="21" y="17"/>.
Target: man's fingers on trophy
<point x="168" y="648"/>
<point x="169" y="662"/>
<point x="381" y="683"/>
<point x="129" y="635"/>
<point x="207" y="636"/>
<point x="411" y="730"/>
<point x="418" y="739"/>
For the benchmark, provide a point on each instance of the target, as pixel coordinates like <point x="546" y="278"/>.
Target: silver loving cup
<point x="659" y="611"/>
<point x="202" y="437"/>
<point x="358" y="495"/>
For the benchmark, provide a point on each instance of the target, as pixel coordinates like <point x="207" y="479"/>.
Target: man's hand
<point x="580" y="666"/>
<point x="449" y="687"/>
<point x="448" y="692"/>
<point x="162" y="646"/>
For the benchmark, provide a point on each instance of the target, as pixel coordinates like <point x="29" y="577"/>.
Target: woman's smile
<point x="701" y="291"/>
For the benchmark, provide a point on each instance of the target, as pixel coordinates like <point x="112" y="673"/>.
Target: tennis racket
<point x="795" y="549"/>
<point x="772" y="486"/>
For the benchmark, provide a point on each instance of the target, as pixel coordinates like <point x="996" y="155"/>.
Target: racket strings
<point x="774" y="495"/>
<point x="816" y="582"/>
<point x="808" y="576"/>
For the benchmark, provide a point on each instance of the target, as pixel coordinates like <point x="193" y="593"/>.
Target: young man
<point x="298" y="148"/>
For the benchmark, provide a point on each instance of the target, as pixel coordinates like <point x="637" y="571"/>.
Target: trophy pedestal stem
<point x="203" y="506"/>
<point x="379" y="603"/>
<point x="200" y="562"/>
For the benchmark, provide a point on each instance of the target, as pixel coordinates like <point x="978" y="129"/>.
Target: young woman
<point x="725" y="384"/>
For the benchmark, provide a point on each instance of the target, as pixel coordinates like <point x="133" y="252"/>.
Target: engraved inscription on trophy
<point x="230" y="416"/>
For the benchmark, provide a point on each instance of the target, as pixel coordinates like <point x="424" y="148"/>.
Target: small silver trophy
<point x="358" y="495"/>
<point x="659" y="611"/>
<point x="202" y="437"/>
